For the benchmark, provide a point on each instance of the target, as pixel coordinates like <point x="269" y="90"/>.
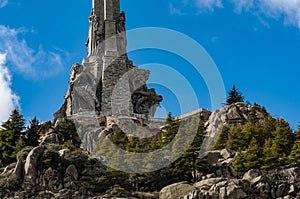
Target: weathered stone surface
<point x="177" y="191"/>
<point x="51" y="138"/>
<point x="235" y="192"/>
<point x="291" y="174"/>
<point x="252" y="174"/>
<point x="44" y="128"/>
<point x="63" y="152"/>
<point x="208" y="182"/>
<point x="213" y="157"/>
<point x="18" y="170"/>
<point x="31" y="164"/>
<point x="281" y="190"/>
<point x="50" y="179"/>
<point x="227" y="153"/>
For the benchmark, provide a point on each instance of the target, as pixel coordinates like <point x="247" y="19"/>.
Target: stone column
<point x="98" y="6"/>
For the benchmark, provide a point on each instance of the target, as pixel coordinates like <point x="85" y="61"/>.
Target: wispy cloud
<point x="288" y="10"/>
<point x="8" y="100"/>
<point x="3" y="3"/>
<point x="209" y="5"/>
<point x="25" y="60"/>
<point x="175" y="11"/>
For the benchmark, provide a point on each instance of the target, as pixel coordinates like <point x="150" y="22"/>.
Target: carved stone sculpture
<point x="143" y="99"/>
<point x="96" y="35"/>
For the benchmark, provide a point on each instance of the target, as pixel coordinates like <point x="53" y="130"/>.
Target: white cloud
<point x="203" y="5"/>
<point x="175" y="11"/>
<point x="288" y="10"/>
<point x="3" y="3"/>
<point x="25" y="60"/>
<point x="8" y="100"/>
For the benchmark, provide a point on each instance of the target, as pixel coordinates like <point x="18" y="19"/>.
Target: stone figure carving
<point x="96" y="34"/>
<point x="121" y="21"/>
<point x="143" y="99"/>
<point x="121" y="31"/>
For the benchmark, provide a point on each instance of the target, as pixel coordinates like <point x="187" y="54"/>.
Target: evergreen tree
<point x="170" y="129"/>
<point x="32" y="136"/>
<point x="238" y="166"/>
<point x="257" y="131"/>
<point x="10" y="137"/>
<point x="234" y="96"/>
<point x="68" y="131"/>
<point x="295" y="152"/>
<point x="189" y="163"/>
<point x="223" y="138"/>
<point x="270" y="155"/>
<point x="283" y="137"/>
<point x="253" y="155"/>
<point x="236" y="139"/>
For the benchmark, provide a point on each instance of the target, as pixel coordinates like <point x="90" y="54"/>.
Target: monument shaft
<point x="106" y="84"/>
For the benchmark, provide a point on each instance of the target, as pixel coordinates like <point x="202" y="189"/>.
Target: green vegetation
<point x="266" y="145"/>
<point x="238" y="166"/>
<point x="10" y="137"/>
<point x="260" y="144"/>
<point x="32" y="135"/>
<point x="67" y="129"/>
<point x="234" y="96"/>
<point x="183" y="169"/>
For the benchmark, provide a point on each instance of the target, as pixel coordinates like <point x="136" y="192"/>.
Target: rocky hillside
<point x="222" y="184"/>
<point x="244" y="153"/>
<point x="52" y="170"/>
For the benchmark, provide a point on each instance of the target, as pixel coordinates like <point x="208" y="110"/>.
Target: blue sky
<point x="254" y="43"/>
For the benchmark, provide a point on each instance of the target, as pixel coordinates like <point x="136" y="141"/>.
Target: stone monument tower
<point x="106" y="84"/>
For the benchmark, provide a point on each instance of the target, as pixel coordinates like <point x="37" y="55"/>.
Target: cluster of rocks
<point x="281" y="184"/>
<point x="53" y="170"/>
<point x="221" y="183"/>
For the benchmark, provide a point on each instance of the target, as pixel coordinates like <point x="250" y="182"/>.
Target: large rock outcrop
<point x="232" y="115"/>
<point x="54" y="171"/>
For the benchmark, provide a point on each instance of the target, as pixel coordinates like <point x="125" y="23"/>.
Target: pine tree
<point x="10" y="137"/>
<point x="253" y="155"/>
<point x="270" y="155"/>
<point x="189" y="163"/>
<point x="68" y="131"/>
<point x="32" y="135"/>
<point x="297" y="134"/>
<point x="257" y="131"/>
<point x="238" y="166"/>
<point x="283" y="137"/>
<point x="295" y="152"/>
<point x="170" y="129"/>
<point x="236" y="139"/>
<point x="234" y="96"/>
<point x="223" y="138"/>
